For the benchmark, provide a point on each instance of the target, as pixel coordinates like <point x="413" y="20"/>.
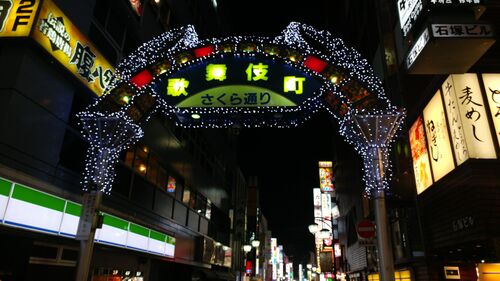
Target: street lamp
<point x="372" y="134"/>
<point x="255" y="243"/>
<point x="247" y="248"/>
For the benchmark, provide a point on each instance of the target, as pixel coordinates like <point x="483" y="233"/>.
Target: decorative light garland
<point x="108" y="135"/>
<point x="173" y="49"/>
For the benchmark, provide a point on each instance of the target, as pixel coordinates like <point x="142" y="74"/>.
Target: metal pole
<point x="386" y="262"/>
<point x="91" y="203"/>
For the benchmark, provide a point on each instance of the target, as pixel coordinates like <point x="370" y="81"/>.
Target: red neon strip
<point x="142" y="78"/>
<point x="204" y="51"/>
<point x="315" y="64"/>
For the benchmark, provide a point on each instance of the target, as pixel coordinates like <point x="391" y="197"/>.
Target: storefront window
<point x="141" y="159"/>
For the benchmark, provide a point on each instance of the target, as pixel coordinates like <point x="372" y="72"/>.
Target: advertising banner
<point x="58" y="36"/>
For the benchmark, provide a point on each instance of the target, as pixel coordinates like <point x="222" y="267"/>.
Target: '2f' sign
<point x="16" y="15"/>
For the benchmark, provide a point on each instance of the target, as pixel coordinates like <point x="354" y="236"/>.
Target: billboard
<point x="62" y="39"/>
<point x="17" y="17"/>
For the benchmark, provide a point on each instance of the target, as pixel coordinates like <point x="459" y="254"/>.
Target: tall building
<point x="438" y="59"/>
<point x="168" y="214"/>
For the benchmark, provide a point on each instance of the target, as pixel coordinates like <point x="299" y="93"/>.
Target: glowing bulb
<point x="126" y="99"/>
<point x="142" y="168"/>
<point x="195" y="116"/>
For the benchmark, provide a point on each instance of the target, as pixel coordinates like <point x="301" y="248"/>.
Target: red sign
<point x="366" y="229"/>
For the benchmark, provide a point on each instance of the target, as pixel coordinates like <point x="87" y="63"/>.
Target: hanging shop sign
<point x="238" y="82"/>
<point x="17" y="17"/>
<point x="420" y="156"/>
<point x="438" y="142"/>
<point x="464" y="94"/>
<point x="326" y="176"/>
<point x="408" y="11"/>
<point x="417" y="48"/>
<point x="492" y="87"/>
<point x="62" y="39"/>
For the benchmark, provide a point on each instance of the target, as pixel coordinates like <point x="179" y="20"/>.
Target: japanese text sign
<point x="17" y="16"/>
<point x="462" y="30"/>
<point x="408" y="11"/>
<point x="56" y="34"/>
<point x="468" y="118"/>
<point x="238" y="82"/>
<point x="420" y="156"/>
<point x="492" y="88"/>
<point x="438" y="142"/>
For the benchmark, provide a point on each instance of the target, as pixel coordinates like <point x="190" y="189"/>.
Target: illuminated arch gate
<point x="241" y="81"/>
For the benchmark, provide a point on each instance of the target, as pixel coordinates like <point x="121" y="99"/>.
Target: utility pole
<point x="86" y="232"/>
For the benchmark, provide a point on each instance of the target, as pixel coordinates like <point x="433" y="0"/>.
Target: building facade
<point x="168" y="214"/>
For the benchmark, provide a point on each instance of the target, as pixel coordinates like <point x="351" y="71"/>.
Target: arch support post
<point x="372" y="135"/>
<point x="108" y="135"/>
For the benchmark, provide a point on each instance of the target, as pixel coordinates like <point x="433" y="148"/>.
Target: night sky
<point x="284" y="160"/>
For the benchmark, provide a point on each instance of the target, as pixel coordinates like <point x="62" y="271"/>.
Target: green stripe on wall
<point x="5" y="187"/>
<point x="73" y="209"/>
<point x="115" y="222"/>
<point x="38" y="198"/>
<point x="170" y="240"/>
<point x="139" y="230"/>
<point x="157" y="236"/>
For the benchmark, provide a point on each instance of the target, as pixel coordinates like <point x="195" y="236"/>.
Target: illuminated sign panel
<point x="473" y="115"/>
<point x="326" y="176"/>
<point x="438" y="142"/>
<point x="238" y="82"/>
<point x="408" y="11"/>
<point x="454" y="121"/>
<point x="420" y="156"/>
<point x="16" y="17"/>
<point x="492" y="88"/>
<point x="421" y="42"/>
<point x="326" y="210"/>
<point x="56" y="34"/>
<point x="462" y="30"/>
<point x="171" y="185"/>
<point x="455" y="2"/>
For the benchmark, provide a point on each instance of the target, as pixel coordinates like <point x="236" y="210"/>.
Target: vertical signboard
<point x="454" y="121"/>
<point x="274" y="257"/>
<point x="420" y="156"/>
<point x="438" y="142"/>
<point x="16" y="17"/>
<point x="58" y="36"/>
<point x="326" y="210"/>
<point x="408" y="11"/>
<point x="473" y="115"/>
<point x="325" y="176"/>
<point x="317" y="205"/>
<point x="492" y="88"/>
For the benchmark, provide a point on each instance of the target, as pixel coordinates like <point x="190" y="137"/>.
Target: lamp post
<point x="372" y="135"/>
<point x="246" y="248"/>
